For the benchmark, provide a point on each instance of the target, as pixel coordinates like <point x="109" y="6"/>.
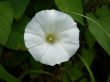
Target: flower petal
<point x="63" y="22"/>
<point x="38" y="51"/>
<point x="32" y="40"/>
<point x="70" y="48"/>
<point x="34" y="27"/>
<point x="44" y="19"/>
<point x="54" y="21"/>
<point x="70" y="40"/>
<point x="55" y="55"/>
<point x="70" y="36"/>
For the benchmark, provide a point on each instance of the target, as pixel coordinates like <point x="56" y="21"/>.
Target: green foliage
<point x="88" y="55"/>
<point x="6" y="76"/>
<point x="83" y="80"/>
<point x="16" y="38"/>
<point x="71" y="6"/>
<point x="88" y="68"/>
<point x="66" y="78"/>
<point x="90" y="39"/>
<point x="6" y="17"/>
<point x="1" y="51"/>
<point x="36" y="72"/>
<point x="73" y="71"/>
<point x="93" y="20"/>
<point x="19" y="7"/>
<point x="102" y="32"/>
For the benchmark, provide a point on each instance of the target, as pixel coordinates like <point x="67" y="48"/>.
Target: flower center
<point x="51" y="38"/>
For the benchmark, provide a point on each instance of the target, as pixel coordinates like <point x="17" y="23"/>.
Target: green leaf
<point x="88" y="55"/>
<point x="83" y="80"/>
<point x="19" y="7"/>
<point x="6" y="76"/>
<point x="6" y="17"/>
<point x="1" y="51"/>
<point x="88" y="68"/>
<point x="90" y="39"/>
<point x="101" y="31"/>
<point x="34" y="63"/>
<point x="69" y="6"/>
<point x="66" y="78"/>
<point x="16" y="38"/>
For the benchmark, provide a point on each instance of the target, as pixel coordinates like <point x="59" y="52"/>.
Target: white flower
<point x="52" y="37"/>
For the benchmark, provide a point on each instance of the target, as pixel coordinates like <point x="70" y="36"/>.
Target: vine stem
<point x="87" y="67"/>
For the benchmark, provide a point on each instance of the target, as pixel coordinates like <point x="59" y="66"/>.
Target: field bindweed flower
<point x="52" y="37"/>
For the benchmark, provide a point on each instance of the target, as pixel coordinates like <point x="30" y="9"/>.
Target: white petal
<point x="38" y="51"/>
<point x="55" y="55"/>
<point x="34" y="27"/>
<point x="63" y="22"/>
<point x="54" y="21"/>
<point x="70" y="48"/>
<point x="70" y="40"/>
<point x="32" y="40"/>
<point x="44" y="19"/>
<point x="70" y="36"/>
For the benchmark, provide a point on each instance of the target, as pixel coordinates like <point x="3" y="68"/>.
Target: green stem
<point x="36" y="72"/>
<point x="87" y="67"/>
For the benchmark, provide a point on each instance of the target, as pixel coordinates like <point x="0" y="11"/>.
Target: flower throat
<point x="51" y="38"/>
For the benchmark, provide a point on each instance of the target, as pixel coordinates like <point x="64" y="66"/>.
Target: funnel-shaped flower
<point x="52" y="37"/>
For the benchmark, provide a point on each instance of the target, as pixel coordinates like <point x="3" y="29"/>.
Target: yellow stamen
<point x="50" y="38"/>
